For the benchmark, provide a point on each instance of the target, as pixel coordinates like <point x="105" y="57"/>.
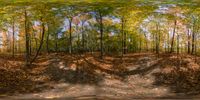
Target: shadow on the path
<point x="80" y="75"/>
<point x="179" y="76"/>
<point x="18" y="82"/>
<point x="173" y="73"/>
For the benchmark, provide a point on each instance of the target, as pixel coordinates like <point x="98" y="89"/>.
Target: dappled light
<point x="99" y="49"/>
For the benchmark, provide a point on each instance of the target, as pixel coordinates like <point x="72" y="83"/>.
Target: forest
<point x="99" y="49"/>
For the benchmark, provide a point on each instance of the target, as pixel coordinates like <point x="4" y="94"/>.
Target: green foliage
<point x="88" y="12"/>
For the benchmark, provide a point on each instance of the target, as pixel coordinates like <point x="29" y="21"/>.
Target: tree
<point x="27" y="37"/>
<point x="100" y="12"/>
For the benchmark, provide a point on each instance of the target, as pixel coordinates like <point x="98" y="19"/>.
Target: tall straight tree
<point x="100" y="12"/>
<point x="83" y="18"/>
<point x="173" y="37"/>
<point x="13" y="36"/>
<point x="188" y="41"/>
<point x="26" y="37"/>
<point x="70" y="11"/>
<point x="100" y="21"/>
<point x="193" y="36"/>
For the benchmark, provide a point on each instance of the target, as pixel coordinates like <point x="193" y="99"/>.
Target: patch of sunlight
<point x="173" y="57"/>
<point x="36" y="94"/>
<point x="158" y="91"/>
<point x="52" y="96"/>
<point x="44" y="63"/>
<point x="61" y="67"/>
<point x="73" y="67"/>
<point x="62" y="85"/>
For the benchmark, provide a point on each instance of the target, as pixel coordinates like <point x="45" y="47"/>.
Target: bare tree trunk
<point x="146" y="42"/>
<point x="70" y="35"/>
<point x="165" y="46"/>
<point x="27" y="39"/>
<point x="168" y="43"/>
<point x="157" y="39"/>
<point x="140" y="44"/>
<point x="30" y="49"/>
<point x="47" y="40"/>
<point x="101" y="33"/>
<point x="188" y="44"/>
<point x="193" y="38"/>
<point x="125" y="47"/>
<point x="83" y="36"/>
<point x="174" y="31"/>
<point x="122" y="31"/>
<point x="56" y="43"/>
<point x="177" y="44"/>
<point x="196" y="38"/>
<point x="13" y="47"/>
<point x="41" y="42"/>
<point x="78" y="42"/>
<point x="153" y="44"/>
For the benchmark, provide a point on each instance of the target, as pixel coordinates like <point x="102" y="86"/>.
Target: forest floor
<point x="136" y="75"/>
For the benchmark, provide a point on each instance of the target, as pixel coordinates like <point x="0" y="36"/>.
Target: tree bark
<point x="27" y="39"/>
<point x="188" y="44"/>
<point x="70" y="35"/>
<point x="47" y="40"/>
<point x="56" y="42"/>
<point x="177" y="44"/>
<point x="146" y="42"/>
<point x="41" y="42"/>
<point x="13" y="29"/>
<point x="157" y="39"/>
<point x="174" y="31"/>
<point x="193" y="38"/>
<point x="101" y="33"/>
<point x="122" y="31"/>
<point x="140" y="45"/>
<point x="83" y="36"/>
<point x="125" y="47"/>
<point x="168" y="43"/>
<point x="30" y="48"/>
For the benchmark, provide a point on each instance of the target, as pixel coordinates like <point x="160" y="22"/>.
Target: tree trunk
<point x="70" y="35"/>
<point x="56" y="43"/>
<point x="41" y="42"/>
<point x="47" y="40"/>
<point x="101" y="33"/>
<point x="168" y="43"/>
<point x="153" y="44"/>
<point x="174" y="31"/>
<point x="122" y="31"/>
<point x="193" y="38"/>
<point x="146" y="42"/>
<point x="125" y="47"/>
<point x="140" y="45"/>
<point x="157" y="44"/>
<point x="30" y="48"/>
<point x="177" y="44"/>
<point x="13" y="47"/>
<point x="157" y="39"/>
<point x="188" y="44"/>
<point x="27" y="39"/>
<point x="83" y="36"/>
<point x="78" y="42"/>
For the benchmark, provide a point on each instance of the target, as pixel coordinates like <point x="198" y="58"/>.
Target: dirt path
<point x="107" y="87"/>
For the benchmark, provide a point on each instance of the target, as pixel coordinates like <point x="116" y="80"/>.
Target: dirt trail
<point x="105" y="87"/>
